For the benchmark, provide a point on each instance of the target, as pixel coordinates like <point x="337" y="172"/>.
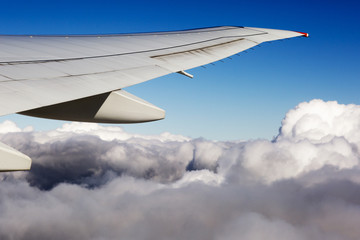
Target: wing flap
<point x="201" y="56"/>
<point x="13" y="160"/>
<point x="115" y="107"/>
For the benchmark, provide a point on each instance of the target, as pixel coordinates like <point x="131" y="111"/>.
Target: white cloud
<point x="253" y="226"/>
<point x="319" y="121"/>
<point x="110" y="133"/>
<point x="8" y="126"/>
<point x="100" y="182"/>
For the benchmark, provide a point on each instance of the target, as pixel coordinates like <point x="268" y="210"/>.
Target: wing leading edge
<point x="56" y="76"/>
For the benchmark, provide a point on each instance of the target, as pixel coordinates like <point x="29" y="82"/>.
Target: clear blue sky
<point x="243" y="98"/>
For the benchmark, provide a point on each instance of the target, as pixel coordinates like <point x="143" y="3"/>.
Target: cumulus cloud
<point x="98" y="182"/>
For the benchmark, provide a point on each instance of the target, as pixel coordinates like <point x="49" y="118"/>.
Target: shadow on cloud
<point x="94" y="182"/>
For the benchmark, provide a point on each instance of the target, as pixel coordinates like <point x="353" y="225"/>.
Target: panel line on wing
<point x="82" y="75"/>
<point x="122" y="54"/>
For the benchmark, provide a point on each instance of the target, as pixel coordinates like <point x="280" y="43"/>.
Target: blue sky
<point x="243" y="98"/>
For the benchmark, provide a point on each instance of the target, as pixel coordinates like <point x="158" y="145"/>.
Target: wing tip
<point x="302" y="33"/>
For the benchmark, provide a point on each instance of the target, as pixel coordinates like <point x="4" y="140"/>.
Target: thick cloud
<point x="94" y="182"/>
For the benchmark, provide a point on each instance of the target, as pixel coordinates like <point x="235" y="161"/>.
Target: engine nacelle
<point x="113" y="107"/>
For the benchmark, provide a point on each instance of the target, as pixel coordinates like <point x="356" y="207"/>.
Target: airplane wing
<point x="81" y="77"/>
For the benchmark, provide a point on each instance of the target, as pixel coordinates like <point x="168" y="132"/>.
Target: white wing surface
<point x="81" y="77"/>
<point x="37" y="71"/>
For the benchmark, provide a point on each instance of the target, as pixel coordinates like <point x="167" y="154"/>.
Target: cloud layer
<point x="94" y="182"/>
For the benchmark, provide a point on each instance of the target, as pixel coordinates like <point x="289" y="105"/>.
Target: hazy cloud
<point x="94" y="182"/>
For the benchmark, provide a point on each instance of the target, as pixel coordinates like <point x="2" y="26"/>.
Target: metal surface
<point x="13" y="160"/>
<point x="114" y="107"/>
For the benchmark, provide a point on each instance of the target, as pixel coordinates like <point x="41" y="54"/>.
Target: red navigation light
<point x="304" y="34"/>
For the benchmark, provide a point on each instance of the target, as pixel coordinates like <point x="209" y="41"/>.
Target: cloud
<point x="94" y="182"/>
